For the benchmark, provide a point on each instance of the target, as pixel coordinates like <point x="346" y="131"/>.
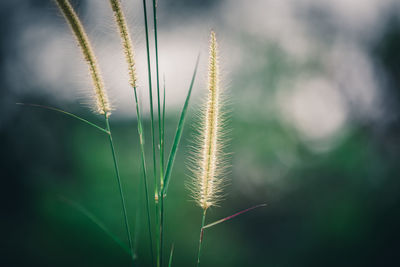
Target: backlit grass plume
<point x="126" y="40"/>
<point x="102" y="103"/>
<point x="207" y="182"/>
<point x="100" y="94"/>
<point x="208" y="159"/>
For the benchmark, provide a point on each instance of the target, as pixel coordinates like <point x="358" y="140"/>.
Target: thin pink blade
<point x="234" y="215"/>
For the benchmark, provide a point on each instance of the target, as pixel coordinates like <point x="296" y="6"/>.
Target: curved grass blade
<point x="96" y="221"/>
<point x="178" y="134"/>
<point x="233" y="216"/>
<point x="66" y="113"/>
<point x="138" y="220"/>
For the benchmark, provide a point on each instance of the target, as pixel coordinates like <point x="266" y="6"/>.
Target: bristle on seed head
<point x="208" y="159"/>
<point x="100" y="94"/>
<point x="126" y="40"/>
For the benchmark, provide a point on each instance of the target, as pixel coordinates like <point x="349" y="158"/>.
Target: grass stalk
<point x="201" y="236"/>
<point x="138" y="221"/>
<point x="156" y="184"/>
<point x="119" y="186"/>
<point x="129" y="56"/>
<point x="161" y="230"/>
<point x="151" y="97"/>
<point x="158" y="93"/>
<point x="143" y="161"/>
<point x="163" y="126"/>
<point x="161" y="143"/>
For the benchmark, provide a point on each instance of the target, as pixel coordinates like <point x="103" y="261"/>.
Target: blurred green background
<point x="325" y="160"/>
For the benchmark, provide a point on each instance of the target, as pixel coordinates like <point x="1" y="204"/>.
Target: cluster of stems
<point x="207" y="185"/>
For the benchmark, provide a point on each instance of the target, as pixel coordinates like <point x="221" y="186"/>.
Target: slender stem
<point x="143" y="161"/>
<point x="201" y="237"/>
<point x="156" y="191"/>
<point x="150" y="94"/>
<point x="119" y="186"/>
<point x="157" y="219"/>
<point x="138" y="225"/>
<point x="163" y="127"/>
<point x="161" y="141"/>
<point x="162" y="197"/>
<point x="158" y="92"/>
<point x="161" y="228"/>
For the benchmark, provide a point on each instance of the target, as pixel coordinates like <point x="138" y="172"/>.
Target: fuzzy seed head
<point x="100" y="94"/>
<point x="126" y="40"/>
<point x="208" y="172"/>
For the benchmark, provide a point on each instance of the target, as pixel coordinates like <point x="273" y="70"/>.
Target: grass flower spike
<point x="101" y="98"/>
<point x="102" y="103"/>
<point x="126" y="40"/>
<point x="208" y="172"/>
<point x="207" y="181"/>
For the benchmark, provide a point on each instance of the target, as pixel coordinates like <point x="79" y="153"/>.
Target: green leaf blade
<point x="178" y="134"/>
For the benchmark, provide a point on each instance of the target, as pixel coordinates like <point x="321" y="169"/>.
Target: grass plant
<point x="208" y="173"/>
<point x="101" y="99"/>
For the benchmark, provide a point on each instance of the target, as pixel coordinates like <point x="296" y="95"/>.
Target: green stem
<point x="156" y="191"/>
<point x="163" y="127"/>
<point x="158" y="92"/>
<point x="161" y="228"/>
<point x="157" y="219"/>
<point x="143" y="162"/>
<point x="137" y="228"/>
<point x="201" y="237"/>
<point x="161" y="141"/>
<point x="119" y="185"/>
<point x="150" y="94"/>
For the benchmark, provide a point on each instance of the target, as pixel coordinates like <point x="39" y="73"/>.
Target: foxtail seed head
<point x="101" y="98"/>
<point x="208" y="157"/>
<point x="126" y="40"/>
